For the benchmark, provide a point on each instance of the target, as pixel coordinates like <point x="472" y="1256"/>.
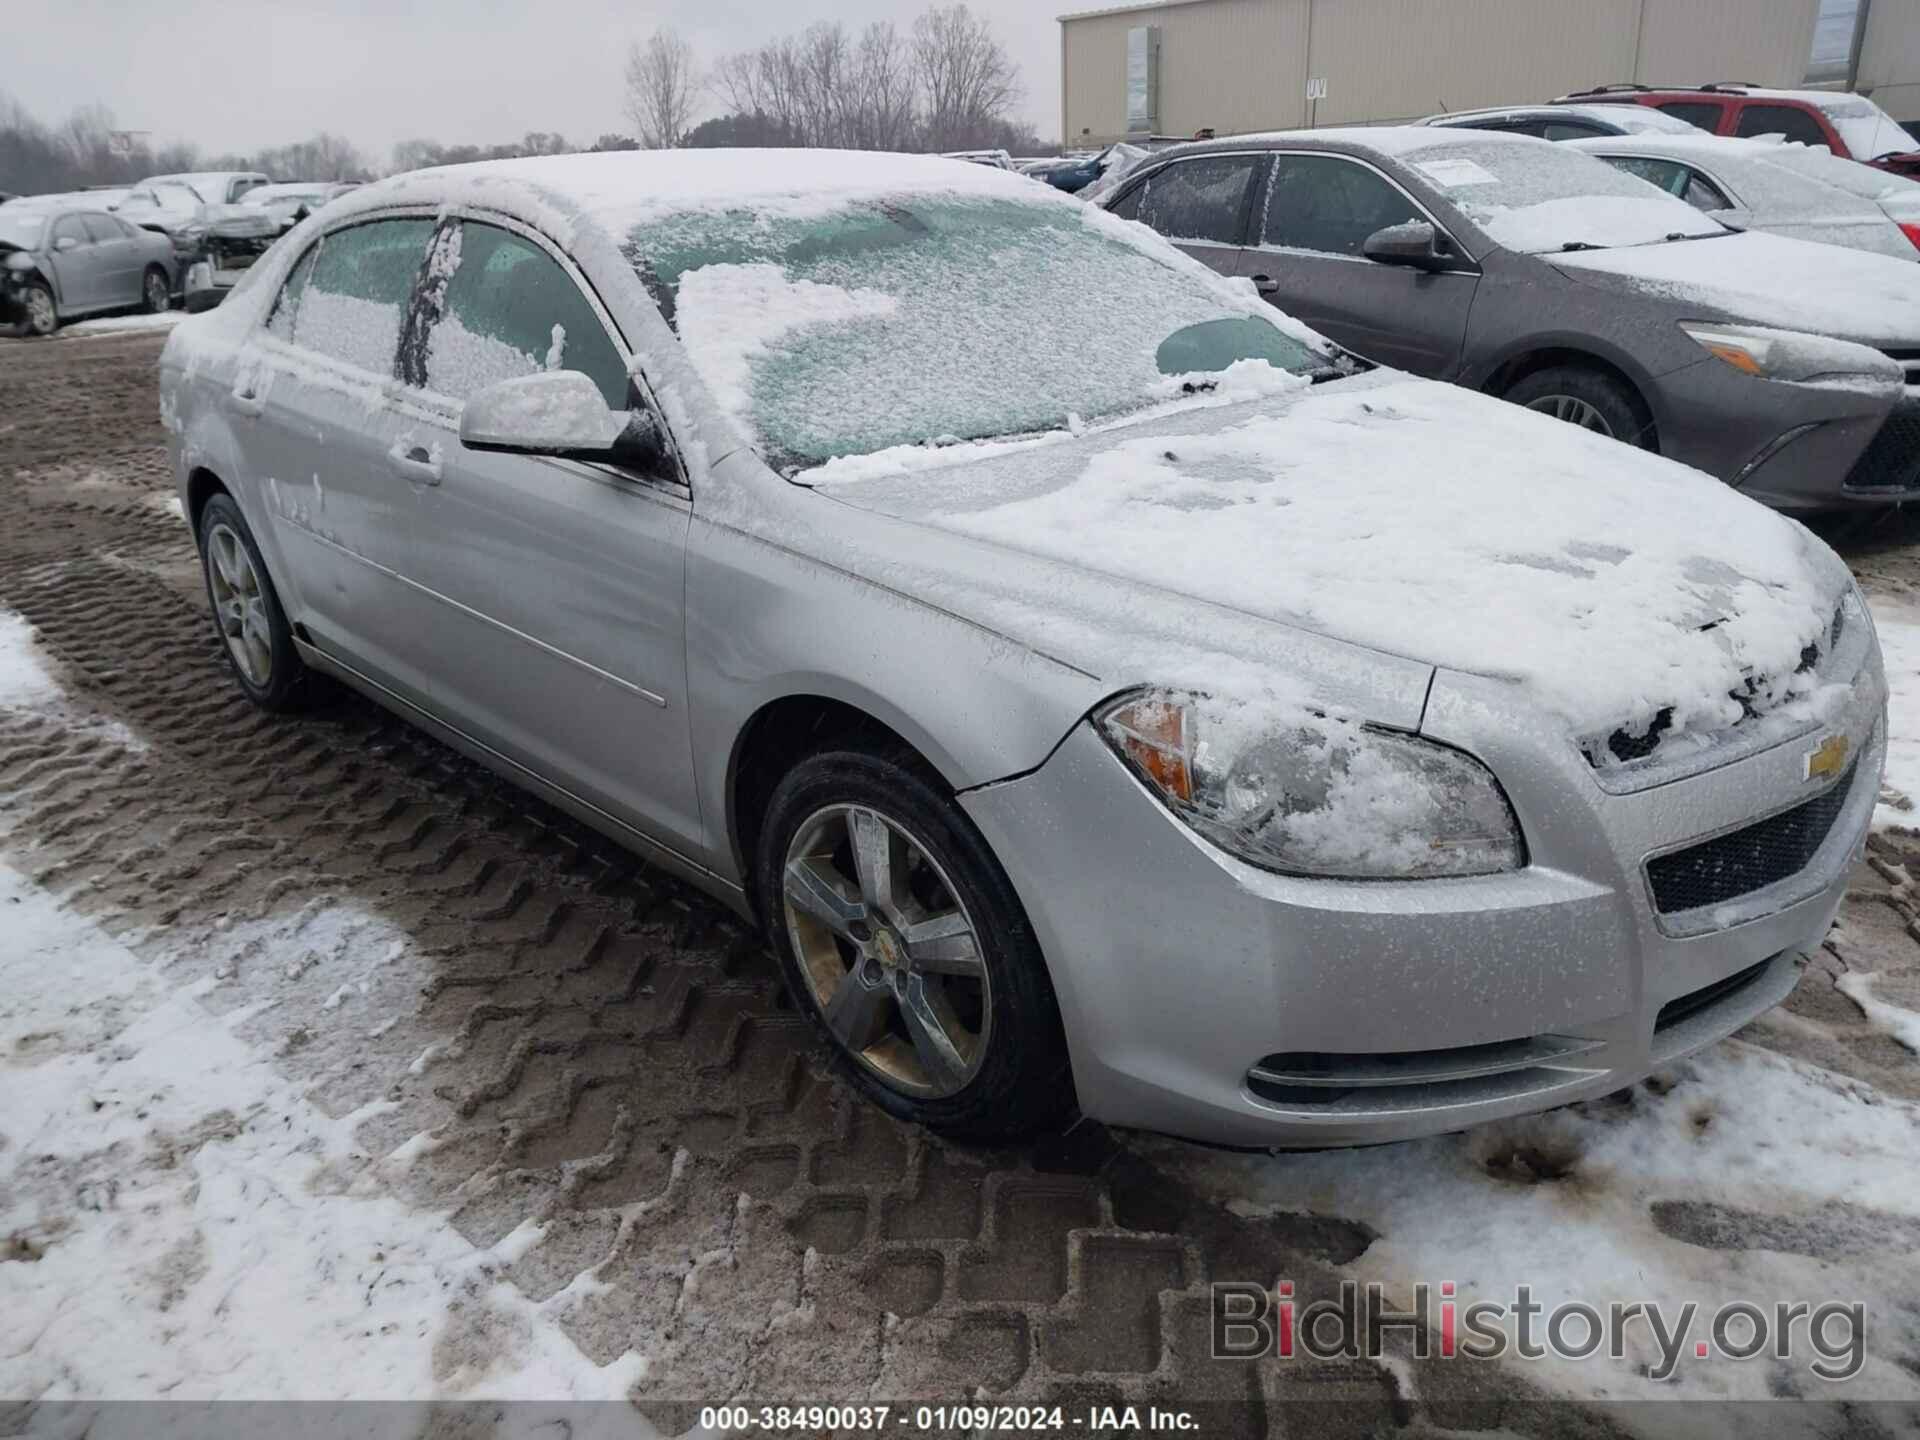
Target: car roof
<point x="1617" y="113"/>
<point x="620" y="189"/>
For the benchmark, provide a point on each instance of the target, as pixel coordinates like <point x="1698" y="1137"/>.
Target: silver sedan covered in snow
<point x="1101" y="689"/>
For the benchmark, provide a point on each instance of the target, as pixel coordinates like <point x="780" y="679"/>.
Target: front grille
<point x="1750" y="859"/>
<point x="1892" y="461"/>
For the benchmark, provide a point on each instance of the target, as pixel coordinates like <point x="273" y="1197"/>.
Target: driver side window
<point x="511" y="310"/>
<point x="1327" y="204"/>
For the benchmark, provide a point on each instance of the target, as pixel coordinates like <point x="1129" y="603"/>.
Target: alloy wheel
<point x="889" y="951"/>
<point x="239" y="605"/>
<point x="1574" y="411"/>
<point x="40" y="313"/>
<point x="156" y="292"/>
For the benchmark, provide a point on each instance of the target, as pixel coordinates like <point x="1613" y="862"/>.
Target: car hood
<point x="1769" y="280"/>
<point x="1411" y="519"/>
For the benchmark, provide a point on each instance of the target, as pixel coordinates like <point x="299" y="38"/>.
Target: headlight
<point x="1790" y="356"/>
<point x="1311" y="795"/>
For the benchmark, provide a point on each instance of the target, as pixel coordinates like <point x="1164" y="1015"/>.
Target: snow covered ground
<point x="123" y="324"/>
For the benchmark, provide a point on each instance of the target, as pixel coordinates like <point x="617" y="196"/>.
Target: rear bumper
<point x="1206" y="998"/>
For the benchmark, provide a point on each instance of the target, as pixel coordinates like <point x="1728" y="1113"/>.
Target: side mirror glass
<point x="561" y="413"/>
<point x="198" y="302"/>
<point x="1415" y="244"/>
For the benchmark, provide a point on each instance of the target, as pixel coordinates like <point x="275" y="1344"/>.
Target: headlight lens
<point x="1311" y="795"/>
<point x="1790" y="356"/>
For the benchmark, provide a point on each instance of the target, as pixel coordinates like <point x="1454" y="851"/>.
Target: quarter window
<point x="1324" y="203"/>
<point x="1787" y="120"/>
<point x="1202" y="200"/>
<point x="510" y="310"/>
<point x="347" y="298"/>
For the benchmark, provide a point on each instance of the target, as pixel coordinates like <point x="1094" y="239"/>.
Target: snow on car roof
<point x="1387" y="139"/>
<point x="620" y="189"/>
<point x="1635" y="118"/>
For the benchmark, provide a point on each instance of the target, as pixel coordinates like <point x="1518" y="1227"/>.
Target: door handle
<point x="1266" y="284"/>
<point x="419" y="464"/>
<point x="245" y="398"/>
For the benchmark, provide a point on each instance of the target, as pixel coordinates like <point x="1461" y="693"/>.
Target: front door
<point x="77" y="265"/>
<point x="1306" y="256"/>
<point x="545" y="598"/>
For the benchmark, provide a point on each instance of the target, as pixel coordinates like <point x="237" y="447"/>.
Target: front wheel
<point x="1587" y="398"/>
<point x="901" y="938"/>
<point x="43" y="318"/>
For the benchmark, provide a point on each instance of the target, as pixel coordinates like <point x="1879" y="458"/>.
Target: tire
<point x="272" y="676"/>
<point x="156" y="295"/>
<point x="1013" y="1079"/>
<point x="1589" y="398"/>
<point x="43" y="316"/>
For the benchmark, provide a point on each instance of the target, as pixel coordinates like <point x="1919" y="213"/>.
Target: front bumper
<point x="1206" y="998"/>
<point x="1793" y="447"/>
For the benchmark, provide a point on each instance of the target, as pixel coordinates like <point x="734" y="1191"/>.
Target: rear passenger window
<point x="1704" y="114"/>
<point x="1787" y="120"/>
<point x="1202" y="200"/>
<point x="511" y="310"/>
<point x="1325" y="203"/>
<point x="353" y="289"/>
<point x="101" y="228"/>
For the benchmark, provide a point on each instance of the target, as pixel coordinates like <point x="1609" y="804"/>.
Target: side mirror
<point x="1415" y="244"/>
<point x="65" y="243"/>
<point x="198" y="302"/>
<point x="560" y="413"/>
<point x="1732" y="219"/>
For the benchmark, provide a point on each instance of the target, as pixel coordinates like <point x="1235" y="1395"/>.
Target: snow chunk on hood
<point x="1431" y="523"/>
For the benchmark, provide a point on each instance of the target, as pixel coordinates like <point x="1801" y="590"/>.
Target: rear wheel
<point x="901" y="938"/>
<point x="1588" y="398"/>
<point x="42" y="316"/>
<point x="155" y="296"/>
<point x="246" y="612"/>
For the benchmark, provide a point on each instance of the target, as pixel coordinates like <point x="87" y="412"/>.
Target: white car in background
<point x="288" y="204"/>
<point x="1790" y="190"/>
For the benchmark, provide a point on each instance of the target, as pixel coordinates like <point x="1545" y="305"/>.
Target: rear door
<point x="121" y="265"/>
<point x="1797" y="123"/>
<point x="544" y="604"/>
<point x="1306" y="257"/>
<point x="1200" y="204"/>
<point x="313" y="408"/>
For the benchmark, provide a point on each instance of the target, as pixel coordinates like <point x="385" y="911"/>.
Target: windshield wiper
<point x="1580" y="245"/>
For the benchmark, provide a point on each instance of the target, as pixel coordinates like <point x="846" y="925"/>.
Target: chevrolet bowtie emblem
<point x="1828" y="759"/>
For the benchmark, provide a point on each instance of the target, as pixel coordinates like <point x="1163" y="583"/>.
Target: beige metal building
<point x="1239" y="65"/>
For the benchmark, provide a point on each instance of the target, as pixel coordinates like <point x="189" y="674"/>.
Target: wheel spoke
<point x="944" y="945"/>
<point x="811" y="889"/>
<point x="931" y="1026"/>
<point x="223" y="559"/>
<point x="857" y="1013"/>
<point x="874" y="855"/>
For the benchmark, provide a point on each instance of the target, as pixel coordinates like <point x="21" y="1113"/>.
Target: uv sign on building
<point x="1239" y="65"/>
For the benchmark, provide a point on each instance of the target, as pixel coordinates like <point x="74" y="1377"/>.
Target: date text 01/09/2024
<point x="1094" y="1420"/>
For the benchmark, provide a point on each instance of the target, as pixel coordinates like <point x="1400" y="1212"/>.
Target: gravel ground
<point x="524" y="1024"/>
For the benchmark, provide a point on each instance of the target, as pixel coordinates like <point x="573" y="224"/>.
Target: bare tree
<point x="662" y="81"/>
<point x="884" y="90"/>
<point x="967" y="81"/>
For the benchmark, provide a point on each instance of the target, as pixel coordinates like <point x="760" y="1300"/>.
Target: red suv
<point x="1851" y="126"/>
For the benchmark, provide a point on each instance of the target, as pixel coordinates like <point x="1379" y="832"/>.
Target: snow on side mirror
<point x="560" y="413"/>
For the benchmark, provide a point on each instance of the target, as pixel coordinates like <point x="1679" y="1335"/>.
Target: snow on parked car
<point x="1102" y="688"/>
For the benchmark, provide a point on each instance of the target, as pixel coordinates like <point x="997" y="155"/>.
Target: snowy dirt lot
<point x="332" y="1068"/>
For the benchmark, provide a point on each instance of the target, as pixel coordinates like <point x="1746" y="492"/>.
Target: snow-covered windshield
<point x="940" y="318"/>
<point x="1819" y="163"/>
<point x="1868" y="130"/>
<point x="22" y="228"/>
<point x="1540" y="197"/>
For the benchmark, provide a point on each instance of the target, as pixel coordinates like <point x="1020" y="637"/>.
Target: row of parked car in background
<point x="86" y="252"/>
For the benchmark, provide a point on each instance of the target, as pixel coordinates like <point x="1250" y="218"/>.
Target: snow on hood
<point x="1775" y="281"/>
<point x="1426" y="522"/>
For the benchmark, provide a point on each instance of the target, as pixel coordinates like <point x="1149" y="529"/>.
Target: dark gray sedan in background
<point x="1532" y="271"/>
<point x="59" y="263"/>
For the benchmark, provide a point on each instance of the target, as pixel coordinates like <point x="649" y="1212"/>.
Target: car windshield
<point x="1869" y="132"/>
<point x="21" y="228"/>
<point x="938" y="319"/>
<point x="1538" y="198"/>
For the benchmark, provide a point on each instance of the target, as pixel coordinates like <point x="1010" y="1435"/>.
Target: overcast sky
<point x="244" y="76"/>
